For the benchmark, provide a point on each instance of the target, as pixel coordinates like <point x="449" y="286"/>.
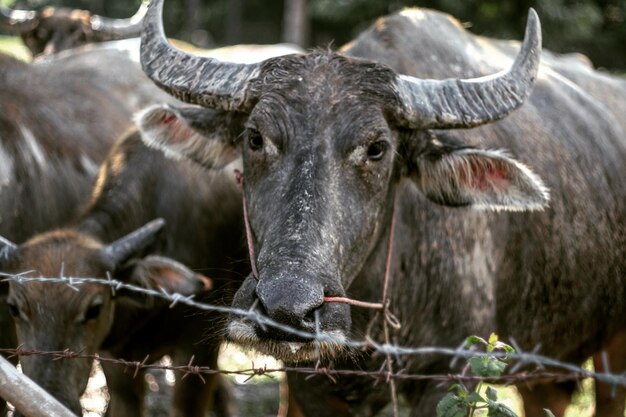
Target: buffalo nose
<point x="291" y="300"/>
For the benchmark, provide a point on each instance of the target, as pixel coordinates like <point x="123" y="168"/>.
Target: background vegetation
<point x="596" y="28"/>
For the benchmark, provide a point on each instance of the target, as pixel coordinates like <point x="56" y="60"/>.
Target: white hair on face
<point x="6" y="167"/>
<point x="244" y="335"/>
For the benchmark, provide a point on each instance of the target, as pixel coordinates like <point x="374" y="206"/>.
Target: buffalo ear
<point x="158" y="272"/>
<point x="133" y="309"/>
<point x="455" y="175"/>
<point x="207" y="137"/>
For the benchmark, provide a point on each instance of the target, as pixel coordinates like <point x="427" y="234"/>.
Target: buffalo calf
<point x="202" y="211"/>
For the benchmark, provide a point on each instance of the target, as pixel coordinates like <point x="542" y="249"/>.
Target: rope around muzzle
<point x="383" y="306"/>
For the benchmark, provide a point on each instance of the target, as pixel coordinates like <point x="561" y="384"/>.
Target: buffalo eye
<point x="255" y="140"/>
<point x="93" y="312"/>
<point x="376" y="150"/>
<point x="13" y="310"/>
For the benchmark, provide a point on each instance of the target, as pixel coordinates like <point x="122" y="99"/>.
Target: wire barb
<point x="536" y="367"/>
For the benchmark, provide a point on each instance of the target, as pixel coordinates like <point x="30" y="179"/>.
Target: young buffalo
<point x="203" y="230"/>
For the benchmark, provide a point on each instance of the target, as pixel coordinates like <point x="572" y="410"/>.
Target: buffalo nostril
<point x="310" y="316"/>
<point x="296" y="314"/>
<point x="293" y="302"/>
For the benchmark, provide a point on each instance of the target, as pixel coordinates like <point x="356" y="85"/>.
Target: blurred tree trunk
<point x="233" y="22"/>
<point x="295" y="24"/>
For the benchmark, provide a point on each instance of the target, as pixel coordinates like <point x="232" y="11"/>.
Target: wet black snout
<point x="291" y="300"/>
<point x="296" y="306"/>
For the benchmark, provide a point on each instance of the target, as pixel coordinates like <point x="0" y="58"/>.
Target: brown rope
<point x="246" y="221"/>
<point x="389" y="318"/>
<point x="364" y="304"/>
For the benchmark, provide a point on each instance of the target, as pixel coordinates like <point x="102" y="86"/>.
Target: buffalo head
<point x="51" y="30"/>
<point x="54" y="317"/>
<point x="326" y="140"/>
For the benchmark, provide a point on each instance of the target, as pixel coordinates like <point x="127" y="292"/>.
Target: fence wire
<point x="537" y="375"/>
<point x="533" y="365"/>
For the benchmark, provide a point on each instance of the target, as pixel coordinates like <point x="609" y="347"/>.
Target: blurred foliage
<point x="596" y="28"/>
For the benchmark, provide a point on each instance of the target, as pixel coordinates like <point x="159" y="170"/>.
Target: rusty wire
<point x="536" y="375"/>
<point x="534" y="365"/>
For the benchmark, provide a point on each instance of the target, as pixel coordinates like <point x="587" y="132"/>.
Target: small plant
<point x="460" y="402"/>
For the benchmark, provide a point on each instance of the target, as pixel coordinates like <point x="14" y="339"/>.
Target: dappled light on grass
<point x="583" y="401"/>
<point x="94" y="400"/>
<point x="234" y="358"/>
<point x="507" y="395"/>
<point x="258" y="396"/>
<point x="13" y="46"/>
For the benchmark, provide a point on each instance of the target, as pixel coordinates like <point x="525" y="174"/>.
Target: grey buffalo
<point x="508" y="177"/>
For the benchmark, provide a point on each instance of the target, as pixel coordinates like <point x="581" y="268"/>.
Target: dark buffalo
<point x="204" y="230"/>
<point x="416" y="108"/>
<point x="58" y="120"/>
<point x="52" y="29"/>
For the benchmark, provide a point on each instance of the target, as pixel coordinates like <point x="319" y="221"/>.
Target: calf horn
<point x="17" y="21"/>
<point x="455" y="103"/>
<point x="125" y="247"/>
<point x="196" y="80"/>
<point x="105" y="28"/>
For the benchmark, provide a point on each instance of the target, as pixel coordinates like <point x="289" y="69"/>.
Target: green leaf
<point x="499" y="410"/>
<point x="493" y="341"/>
<point x="461" y="391"/>
<point x="492" y="394"/>
<point x="474" y="398"/>
<point x="452" y="405"/>
<point x="472" y="340"/>
<point x="486" y="367"/>
<point x="548" y="412"/>
<point x="503" y="346"/>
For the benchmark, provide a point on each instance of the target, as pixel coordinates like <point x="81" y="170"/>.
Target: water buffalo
<point x="58" y="120"/>
<point x="52" y="30"/>
<point x="204" y="230"/>
<point x="417" y="110"/>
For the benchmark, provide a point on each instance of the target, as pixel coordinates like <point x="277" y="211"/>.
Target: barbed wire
<point x="541" y="375"/>
<point x="558" y="370"/>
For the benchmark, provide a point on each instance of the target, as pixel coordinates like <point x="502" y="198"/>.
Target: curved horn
<point x="17" y="21"/>
<point x="7" y="248"/>
<point x="455" y="103"/>
<point x="105" y="28"/>
<point x="196" y="80"/>
<point x="125" y="247"/>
